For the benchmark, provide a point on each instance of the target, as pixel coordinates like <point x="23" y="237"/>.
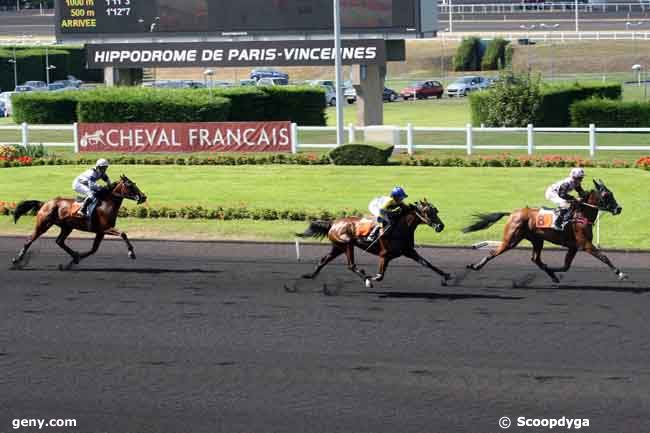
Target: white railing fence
<point x="469" y="147"/>
<point x="409" y="138"/>
<point x="548" y="36"/>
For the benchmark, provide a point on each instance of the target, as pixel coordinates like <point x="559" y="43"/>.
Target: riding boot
<point x="562" y="218"/>
<point x="374" y="234"/>
<point x="84" y="207"/>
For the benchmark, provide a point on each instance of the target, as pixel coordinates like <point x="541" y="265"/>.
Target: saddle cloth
<point x="365" y="226"/>
<point x="546" y="218"/>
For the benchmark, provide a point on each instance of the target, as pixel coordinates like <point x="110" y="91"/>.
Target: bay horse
<point x="62" y="212"/>
<point x="577" y="235"/>
<point x="399" y="240"/>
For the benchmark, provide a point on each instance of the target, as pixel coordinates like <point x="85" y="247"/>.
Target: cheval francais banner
<point x="185" y="137"/>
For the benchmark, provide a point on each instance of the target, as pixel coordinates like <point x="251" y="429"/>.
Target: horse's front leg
<point x="114" y="232"/>
<point x="98" y="240"/>
<point x="414" y="255"/>
<point x="349" y="254"/>
<point x="591" y="249"/>
<point x="383" y="264"/>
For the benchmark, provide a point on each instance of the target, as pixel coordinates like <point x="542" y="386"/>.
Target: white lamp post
<point x="339" y="73"/>
<point x="15" y="63"/>
<point x="551" y="27"/>
<point x="528" y="29"/>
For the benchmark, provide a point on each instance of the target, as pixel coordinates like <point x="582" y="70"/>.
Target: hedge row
<point x="555" y="104"/>
<point x="495" y="55"/>
<point x="304" y="105"/>
<point x="219" y="213"/>
<point x="30" y="61"/>
<point x="554" y="109"/>
<point x="608" y="113"/>
<point x="468" y="55"/>
<point x="503" y="160"/>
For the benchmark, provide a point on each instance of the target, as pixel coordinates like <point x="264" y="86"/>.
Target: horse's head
<point x="428" y="213"/>
<point x="604" y="198"/>
<point x="126" y="188"/>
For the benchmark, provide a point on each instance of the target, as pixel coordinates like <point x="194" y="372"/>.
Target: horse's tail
<point x="25" y="206"/>
<point x="484" y="220"/>
<point x="316" y="229"/>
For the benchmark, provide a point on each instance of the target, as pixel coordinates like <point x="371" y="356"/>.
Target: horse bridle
<point x="424" y="219"/>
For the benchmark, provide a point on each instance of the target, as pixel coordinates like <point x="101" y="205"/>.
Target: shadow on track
<point x="151" y="271"/>
<point x="443" y="296"/>
<point x="564" y="287"/>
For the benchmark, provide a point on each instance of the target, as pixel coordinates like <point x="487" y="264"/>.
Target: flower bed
<point x="219" y="213"/>
<point x="643" y="163"/>
<point x="508" y="160"/>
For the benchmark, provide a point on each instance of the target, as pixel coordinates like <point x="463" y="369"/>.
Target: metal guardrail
<point x="466" y="143"/>
<point x="553" y="36"/>
<point x="514" y="8"/>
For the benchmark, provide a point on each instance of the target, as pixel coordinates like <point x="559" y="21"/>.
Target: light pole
<point x="15" y="69"/>
<point x="208" y="73"/>
<point x="577" y="19"/>
<point x="443" y="66"/>
<point x="551" y="27"/>
<point x="339" y="73"/>
<point x="634" y="25"/>
<point x="451" y="22"/>
<point x="528" y="29"/>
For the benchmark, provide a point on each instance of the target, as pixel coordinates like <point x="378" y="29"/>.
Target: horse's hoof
<point x="622" y="276"/>
<point x="15" y="260"/>
<point x="131" y="255"/>
<point x="76" y="259"/>
<point x="329" y="292"/>
<point x="288" y="289"/>
<point x="307" y="276"/>
<point x="368" y="283"/>
<point x="556" y="280"/>
<point x="471" y="267"/>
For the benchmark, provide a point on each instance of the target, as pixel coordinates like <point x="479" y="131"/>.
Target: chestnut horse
<point x="577" y="235"/>
<point x="398" y="241"/>
<point x="62" y="212"/>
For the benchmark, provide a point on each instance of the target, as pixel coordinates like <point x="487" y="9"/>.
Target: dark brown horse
<point x="577" y="235"/>
<point x="62" y="212"/>
<point x="345" y="235"/>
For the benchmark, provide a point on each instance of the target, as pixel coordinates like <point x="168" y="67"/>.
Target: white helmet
<point x="577" y="173"/>
<point x="101" y="163"/>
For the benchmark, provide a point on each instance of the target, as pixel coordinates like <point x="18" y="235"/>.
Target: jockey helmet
<point x="398" y="193"/>
<point x="577" y="173"/>
<point x="101" y="163"/>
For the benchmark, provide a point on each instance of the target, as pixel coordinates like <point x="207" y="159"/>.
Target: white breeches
<point x="559" y="201"/>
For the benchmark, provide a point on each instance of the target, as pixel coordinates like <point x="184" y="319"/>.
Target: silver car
<point x="465" y="85"/>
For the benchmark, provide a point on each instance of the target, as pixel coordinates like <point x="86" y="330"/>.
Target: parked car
<point x="350" y="94"/>
<point x="330" y="83"/>
<point x="465" y="85"/>
<point x="23" y="88"/>
<point x="5" y="98"/>
<point x="272" y="81"/>
<point x="256" y="74"/>
<point x="390" y="95"/>
<point x="56" y="87"/>
<point x="330" y="95"/>
<point x="247" y="82"/>
<point x="3" y="109"/>
<point x="36" y="85"/>
<point x="423" y="90"/>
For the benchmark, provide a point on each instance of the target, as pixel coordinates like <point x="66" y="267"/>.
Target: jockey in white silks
<point x="86" y="183"/>
<point x="558" y="193"/>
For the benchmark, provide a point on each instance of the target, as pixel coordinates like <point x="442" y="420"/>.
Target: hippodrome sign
<point x="268" y="53"/>
<point x="185" y="137"/>
<point x="240" y="17"/>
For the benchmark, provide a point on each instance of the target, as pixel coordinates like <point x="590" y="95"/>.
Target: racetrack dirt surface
<point x="204" y="337"/>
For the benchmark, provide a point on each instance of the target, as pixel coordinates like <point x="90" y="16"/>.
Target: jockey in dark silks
<point x="558" y="193"/>
<point x="386" y="210"/>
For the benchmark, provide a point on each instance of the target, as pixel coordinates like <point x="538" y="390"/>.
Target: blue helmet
<point x="398" y="193"/>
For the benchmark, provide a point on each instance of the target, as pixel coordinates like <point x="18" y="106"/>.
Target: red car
<point x="423" y="90"/>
